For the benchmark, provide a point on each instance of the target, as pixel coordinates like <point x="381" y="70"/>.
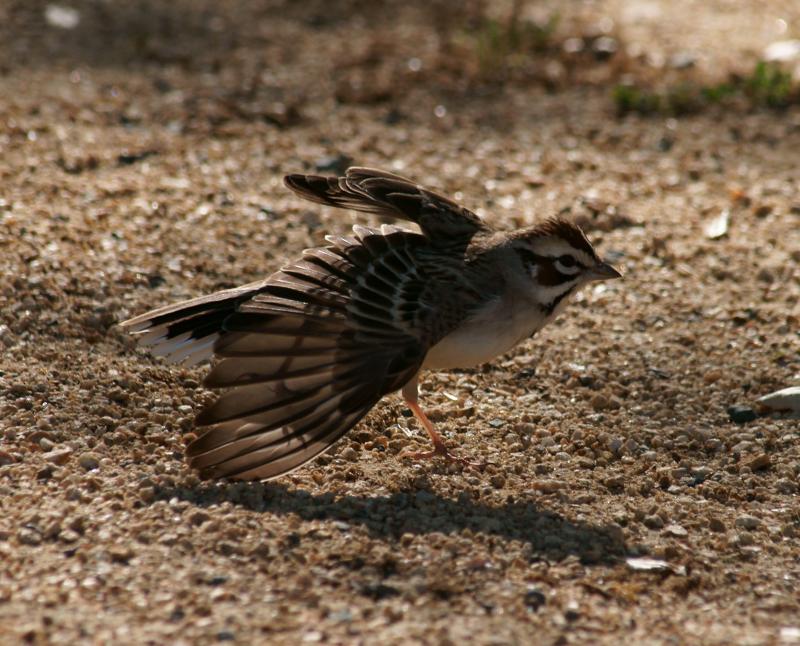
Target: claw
<point x="440" y="451"/>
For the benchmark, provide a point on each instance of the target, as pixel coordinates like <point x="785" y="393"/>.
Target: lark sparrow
<point x="305" y="353"/>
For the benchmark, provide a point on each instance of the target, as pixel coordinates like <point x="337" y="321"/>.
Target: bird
<point x="307" y="352"/>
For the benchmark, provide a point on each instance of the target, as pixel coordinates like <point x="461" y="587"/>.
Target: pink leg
<point x="439" y="448"/>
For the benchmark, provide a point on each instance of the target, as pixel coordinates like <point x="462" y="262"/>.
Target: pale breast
<point x="494" y="330"/>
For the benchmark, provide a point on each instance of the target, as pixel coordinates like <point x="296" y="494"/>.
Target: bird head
<point x="558" y="258"/>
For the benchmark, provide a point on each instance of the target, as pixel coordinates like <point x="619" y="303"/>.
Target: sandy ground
<point x="141" y="158"/>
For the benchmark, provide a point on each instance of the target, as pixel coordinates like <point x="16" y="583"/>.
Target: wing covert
<point x="369" y="190"/>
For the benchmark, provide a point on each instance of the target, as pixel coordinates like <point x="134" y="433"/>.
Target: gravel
<point x="143" y="151"/>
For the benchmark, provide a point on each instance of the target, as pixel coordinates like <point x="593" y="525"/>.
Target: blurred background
<point x="207" y="64"/>
<point x="358" y="52"/>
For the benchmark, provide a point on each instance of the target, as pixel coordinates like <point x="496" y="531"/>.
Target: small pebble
<point x="68" y="536"/>
<point x="653" y="522"/>
<point x="147" y="494"/>
<point x="89" y="461"/>
<point x="748" y="522"/>
<point x="60" y="456"/>
<point x="572" y="613"/>
<point x="548" y="486"/>
<point x="45" y="473"/>
<point x="759" y="462"/>
<point x="498" y="480"/>
<point x="679" y="473"/>
<point x="647" y="564"/>
<point x="599" y="402"/>
<point x="741" y="414"/>
<point x="199" y="517"/>
<point x="676" y="530"/>
<point x="762" y="210"/>
<point x="28" y="536"/>
<point x="120" y="554"/>
<point x="349" y="454"/>
<point x="534" y="598"/>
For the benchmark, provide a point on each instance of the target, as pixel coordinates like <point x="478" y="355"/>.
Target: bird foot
<point x="440" y="451"/>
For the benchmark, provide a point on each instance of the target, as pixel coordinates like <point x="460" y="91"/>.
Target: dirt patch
<point x="142" y="157"/>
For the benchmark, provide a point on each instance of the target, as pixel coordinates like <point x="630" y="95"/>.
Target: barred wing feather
<point x="303" y="355"/>
<point x="369" y="190"/>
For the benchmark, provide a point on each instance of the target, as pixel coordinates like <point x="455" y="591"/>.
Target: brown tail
<point x="186" y="332"/>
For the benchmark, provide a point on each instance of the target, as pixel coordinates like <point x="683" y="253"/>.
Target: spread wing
<point x="385" y="194"/>
<point x="304" y="354"/>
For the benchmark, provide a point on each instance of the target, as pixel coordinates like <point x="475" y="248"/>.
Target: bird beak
<point x="603" y="271"/>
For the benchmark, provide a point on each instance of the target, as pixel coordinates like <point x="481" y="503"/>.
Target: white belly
<point x="492" y="332"/>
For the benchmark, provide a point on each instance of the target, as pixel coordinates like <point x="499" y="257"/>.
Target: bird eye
<point x="567" y="261"/>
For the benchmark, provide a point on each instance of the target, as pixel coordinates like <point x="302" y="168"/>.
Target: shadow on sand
<point x="548" y="535"/>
